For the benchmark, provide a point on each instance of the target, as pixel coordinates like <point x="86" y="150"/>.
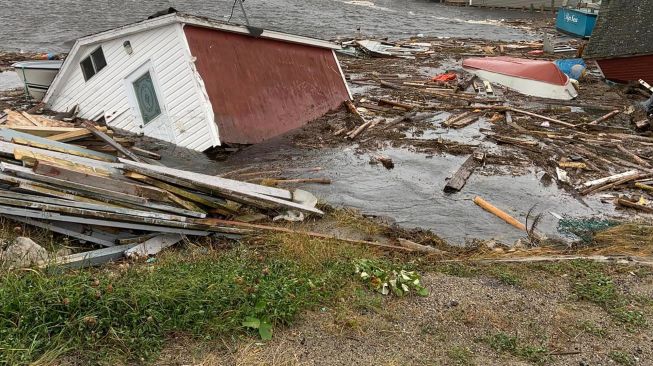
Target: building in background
<point x="622" y="41"/>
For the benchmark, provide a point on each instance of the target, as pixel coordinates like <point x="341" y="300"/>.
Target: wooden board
<point x="210" y="181"/>
<point x="54" y="216"/>
<point x="457" y="182"/>
<point x="62" y="229"/>
<point x="154" y="245"/>
<point x="111" y="142"/>
<point x="9" y="135"/>
<point x="56" y="171"/>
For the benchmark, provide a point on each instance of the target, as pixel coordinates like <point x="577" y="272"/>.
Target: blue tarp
<point x="567" y="66"/>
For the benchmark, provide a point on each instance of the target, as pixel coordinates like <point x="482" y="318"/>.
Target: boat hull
<point x="530" y="87"/>
<point x="37" y="76"/>
<point x="575" y="22"/>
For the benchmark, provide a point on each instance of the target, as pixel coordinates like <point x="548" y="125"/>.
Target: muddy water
<point x="51" y="25"/>
<point x="411" y="193"/>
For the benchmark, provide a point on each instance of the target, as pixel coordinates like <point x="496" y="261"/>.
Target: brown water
<point x="52" y="25"/>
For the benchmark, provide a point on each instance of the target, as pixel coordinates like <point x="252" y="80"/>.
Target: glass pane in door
<point x="147" y="99"/>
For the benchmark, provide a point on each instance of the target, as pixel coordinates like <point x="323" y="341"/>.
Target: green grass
<point x="622" y="358"/>
<point x="506" y="276"/>
<point x="504" y="343"/>
<point x="124" y="313"/>
<point x="457" y="269"/>
<point x="460" y="356"/>
<point x="593" y="329"/>
<point x="596" y="287"/>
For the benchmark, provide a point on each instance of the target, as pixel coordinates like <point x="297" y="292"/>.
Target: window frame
<point x="92" y="58"/>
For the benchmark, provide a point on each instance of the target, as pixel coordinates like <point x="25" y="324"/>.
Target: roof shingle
<point x="623" y="28"/>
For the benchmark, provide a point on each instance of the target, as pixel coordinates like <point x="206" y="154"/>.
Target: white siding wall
<point x="189" y="117"/>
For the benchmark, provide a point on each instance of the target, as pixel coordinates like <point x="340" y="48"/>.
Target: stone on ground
<point x="23" y="252"/>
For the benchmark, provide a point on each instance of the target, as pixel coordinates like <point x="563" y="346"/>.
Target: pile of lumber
<point x="119" y="200"/>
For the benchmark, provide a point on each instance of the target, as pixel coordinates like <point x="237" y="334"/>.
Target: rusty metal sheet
<point x="260" y="88"/>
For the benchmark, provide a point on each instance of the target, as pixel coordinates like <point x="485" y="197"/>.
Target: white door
<point x="147" y="104"/>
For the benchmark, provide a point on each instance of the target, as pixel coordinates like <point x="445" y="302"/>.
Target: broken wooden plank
<point x="625" y="203"/>
<point x="180" y="223"/>
<point x="605" y="117"/>
<point x="154" y="245"/>
<point x="634" y="156"/>
<point x="464" y="122"/>
<point x="90" y="258"/>
<point x="610" y="179"/>
<point x="206" y="201"/>
<point x="43" y="131"/>
<point x="60" y="229"/>
<point x="208" y="180"/>
<point x="31" y="119"/>
<point x="365" y="126"/>
<point x="420" y="248"/>
<point x="247" y="193"/>
<point x="9" y="135"/>
<point x="552" y="120"/>
<point x="66" y="150"/>
<point x="16" y="119"/>
<point x="29" y="156"/>
<point x="89" y="206"/>
<point x="71" y="136"/>
<point x="146" y="153"/>
<point x="457" y="182"/>
<point x="55" y="216"/>
<point x="111" y="142"/>
<point x="393" y="103"/>
<point x="70" y="175"/>
<point x="27" y="173"/>
<point x="452" y="119"/>
<point x="352" y="109"/>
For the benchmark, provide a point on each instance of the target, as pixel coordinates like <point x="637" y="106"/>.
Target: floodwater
<point x="52" y="25"/>
<point x="9" y="80"/>
<point x="411" y="194"/>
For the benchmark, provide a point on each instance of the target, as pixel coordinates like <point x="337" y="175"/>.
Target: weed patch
<point x="504" y="343"/>
<point x="622" y="358"/>
<point x="598" y="288"/>
<point x="505" y="276"/>
<point x="460" y="356"/>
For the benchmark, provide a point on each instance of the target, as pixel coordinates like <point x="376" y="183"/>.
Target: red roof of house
<point x="545" y="71"/>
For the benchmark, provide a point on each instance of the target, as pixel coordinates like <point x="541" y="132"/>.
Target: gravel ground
<point x="450" y="327"/>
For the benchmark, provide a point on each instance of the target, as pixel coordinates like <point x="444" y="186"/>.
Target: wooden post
<point x="499" y="213"/>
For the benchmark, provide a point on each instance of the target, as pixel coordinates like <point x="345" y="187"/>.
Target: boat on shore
<point x="530" y="77"/>
<point x="37" y="75"/>
<point x="576" y="22"/>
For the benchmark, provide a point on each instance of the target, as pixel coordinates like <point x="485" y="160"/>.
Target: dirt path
<point x="474" y="316"/>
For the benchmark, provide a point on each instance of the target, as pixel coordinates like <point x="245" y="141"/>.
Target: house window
<point x="92" y="64"/>
<point x="147" y="99"/>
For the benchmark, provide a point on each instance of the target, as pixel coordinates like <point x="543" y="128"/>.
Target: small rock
<point x="24" y="252"/>
<point x="452" y="303"/>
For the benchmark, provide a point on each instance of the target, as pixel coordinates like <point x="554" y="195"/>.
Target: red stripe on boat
<point x="545" y="71"/>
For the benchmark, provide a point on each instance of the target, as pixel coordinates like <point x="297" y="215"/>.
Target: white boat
<point x="530" y="77"/>
<point x="37" y="75"/>
<point x="384" y="49"/>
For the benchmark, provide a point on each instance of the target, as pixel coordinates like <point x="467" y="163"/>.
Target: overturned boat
<point x="37" y="75"/>
<point x="530" y="77"/>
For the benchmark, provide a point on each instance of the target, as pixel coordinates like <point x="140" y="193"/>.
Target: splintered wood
<point x="121" y="203"/>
